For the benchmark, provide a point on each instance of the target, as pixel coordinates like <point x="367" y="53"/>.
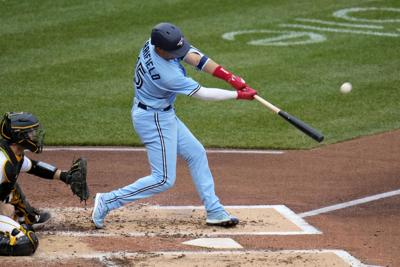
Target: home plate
<point x="223" y="243"/>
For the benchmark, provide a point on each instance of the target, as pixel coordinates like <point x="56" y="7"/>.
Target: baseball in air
<point x="346" y="88"/>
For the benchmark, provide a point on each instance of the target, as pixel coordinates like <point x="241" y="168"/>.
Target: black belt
<point x="143" y="106"/>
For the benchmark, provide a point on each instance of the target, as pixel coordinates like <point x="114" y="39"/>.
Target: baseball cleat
<point x="41" y="219"/>
<point x="222" y="219"/>
<point x="99" y="212"/>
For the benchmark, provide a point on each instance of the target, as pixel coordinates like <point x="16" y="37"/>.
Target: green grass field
<point x="71" y="64"/>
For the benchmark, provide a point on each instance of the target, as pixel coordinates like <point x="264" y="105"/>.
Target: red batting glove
<point x="236" y="81"/>
<point x="246" y="93"/>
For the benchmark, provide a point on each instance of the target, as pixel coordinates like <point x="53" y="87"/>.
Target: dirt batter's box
<point x="63" y="239"/>
<point x="181" y="220"/>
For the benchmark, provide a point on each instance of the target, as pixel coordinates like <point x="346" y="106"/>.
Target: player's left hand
<point x="76" y="178"/>
<point x="246" y="93"/>
<point x="237" y="82"/>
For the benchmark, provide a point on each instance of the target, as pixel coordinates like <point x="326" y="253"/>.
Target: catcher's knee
<point x="15" y="239"/>
<point x="24" y="245"/>
<point x="7" y="209"/>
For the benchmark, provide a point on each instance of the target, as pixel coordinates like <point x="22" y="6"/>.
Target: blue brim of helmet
<point x="181" y="52"/>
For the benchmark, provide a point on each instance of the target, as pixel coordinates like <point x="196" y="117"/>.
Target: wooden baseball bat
<point x="299" y="124"/>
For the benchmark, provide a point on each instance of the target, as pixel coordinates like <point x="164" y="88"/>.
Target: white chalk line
<point x="325" y="22"/>
<point x="107" y="256"/>
<point x="278" y="40"/>
<point x="344" y="14"/>
<point x="327" y="29"/>
<point x="142" y="149"/>
<point x="306" y="229"/>
<point x="349" y="204"/>
<point x="348" y="258"/>
<point x="297" y="220"/>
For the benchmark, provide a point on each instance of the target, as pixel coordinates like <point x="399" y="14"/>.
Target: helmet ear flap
<point x="18" y="135"/>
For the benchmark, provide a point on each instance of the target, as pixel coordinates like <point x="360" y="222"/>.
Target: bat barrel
<point x="302" y="126"/>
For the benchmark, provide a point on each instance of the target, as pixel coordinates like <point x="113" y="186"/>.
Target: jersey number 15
<point x="139" y="73"/>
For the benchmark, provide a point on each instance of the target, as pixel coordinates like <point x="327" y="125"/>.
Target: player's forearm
<point x="214" y="94"/>
<point x="200" y="61"/>
<point x="210" y="66"/>
<point x="206" y="64"/>
<point x="44" y="170"/>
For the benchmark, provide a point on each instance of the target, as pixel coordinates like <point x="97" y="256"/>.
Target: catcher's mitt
<point x="76" y="178"/>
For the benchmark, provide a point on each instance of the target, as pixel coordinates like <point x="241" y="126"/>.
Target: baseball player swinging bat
<point x="302" y="126"/>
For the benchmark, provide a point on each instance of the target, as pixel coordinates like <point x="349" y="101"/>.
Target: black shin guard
<point x="26" y="213"/>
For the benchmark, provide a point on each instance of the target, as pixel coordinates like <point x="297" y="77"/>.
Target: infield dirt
<point x="301" y="180"/>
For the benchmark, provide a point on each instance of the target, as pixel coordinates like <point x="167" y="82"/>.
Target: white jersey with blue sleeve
<point x="158" y="80"/>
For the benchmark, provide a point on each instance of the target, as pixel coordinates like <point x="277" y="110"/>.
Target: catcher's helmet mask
<point x="23" y="129"/>
<point x="169" y="37"/>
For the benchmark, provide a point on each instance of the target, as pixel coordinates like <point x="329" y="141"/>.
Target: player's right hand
<point x="237" y="82"/>
<point x="246" y="93"/>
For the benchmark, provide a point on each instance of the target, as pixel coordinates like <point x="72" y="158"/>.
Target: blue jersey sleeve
<point x="183" y="85"/>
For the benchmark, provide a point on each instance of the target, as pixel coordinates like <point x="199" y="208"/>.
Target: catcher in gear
<point x="20" y="131"/>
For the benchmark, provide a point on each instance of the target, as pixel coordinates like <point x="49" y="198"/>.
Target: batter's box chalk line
<point x="174" y="221"/>
<point x="107" y="257"/>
